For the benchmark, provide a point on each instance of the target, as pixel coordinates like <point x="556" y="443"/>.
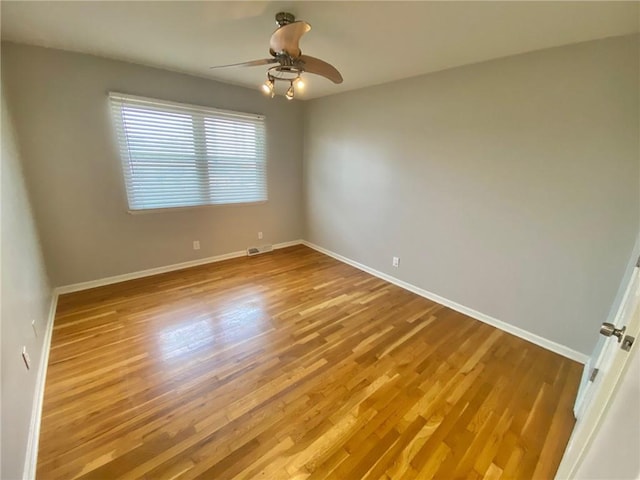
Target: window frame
<point x="187" y="107"/>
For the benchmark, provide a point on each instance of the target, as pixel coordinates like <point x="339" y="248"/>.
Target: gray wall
<point x="26" y="296"/>
<point x="59" y="101"/>
<point x="510" y="187"/>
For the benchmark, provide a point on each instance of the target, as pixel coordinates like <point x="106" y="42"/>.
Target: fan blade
<point x="252" y="63"/>
<point x="320" y="67"/>
<point x="286" y="38"/>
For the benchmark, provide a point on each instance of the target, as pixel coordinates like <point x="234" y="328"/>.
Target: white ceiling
<point x="369" y="42"/>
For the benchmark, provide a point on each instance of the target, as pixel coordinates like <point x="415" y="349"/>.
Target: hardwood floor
<point x="293" y="365"/>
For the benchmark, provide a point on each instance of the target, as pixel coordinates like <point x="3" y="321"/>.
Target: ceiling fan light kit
<point x="291" y="63"/>
<point x="288" y="75"/>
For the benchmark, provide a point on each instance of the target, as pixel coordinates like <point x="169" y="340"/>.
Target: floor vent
<point x="258" y="250"/>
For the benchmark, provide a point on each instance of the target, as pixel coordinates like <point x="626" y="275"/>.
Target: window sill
<point x="194" y="207"/>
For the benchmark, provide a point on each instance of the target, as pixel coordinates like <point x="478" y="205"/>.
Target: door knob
<point x="609" y="329"/>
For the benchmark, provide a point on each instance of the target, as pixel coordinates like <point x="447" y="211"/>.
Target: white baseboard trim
<point x="31" y="457"/>
<point x="287" y="244"/>
<point x="76" y="287"/>
<point x="518" y="332"/>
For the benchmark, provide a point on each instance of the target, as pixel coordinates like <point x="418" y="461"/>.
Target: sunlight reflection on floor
<point x="231" y="321"/>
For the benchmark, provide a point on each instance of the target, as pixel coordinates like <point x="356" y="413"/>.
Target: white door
<point x="604" y="349"/>
<point x="613" y="453"/>
<point x="611" y="364"/>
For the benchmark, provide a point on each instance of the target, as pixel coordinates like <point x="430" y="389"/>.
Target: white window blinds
<point x="177" y="155"/>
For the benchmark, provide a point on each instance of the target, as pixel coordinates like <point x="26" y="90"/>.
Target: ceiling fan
<point x="291" y="63"/>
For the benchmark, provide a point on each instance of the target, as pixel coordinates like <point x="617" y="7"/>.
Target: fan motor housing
<point x="285" y="18"/>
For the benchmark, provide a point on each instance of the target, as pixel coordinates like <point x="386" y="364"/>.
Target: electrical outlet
<point x="395" y="262"/>
<point x="33" y="325"/>
<point x="196" y="244"/>
<point x="25" y="357"/>
<point x="259" y="235"/>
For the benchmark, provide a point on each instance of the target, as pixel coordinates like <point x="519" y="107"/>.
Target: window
<point x="177" y="155"/>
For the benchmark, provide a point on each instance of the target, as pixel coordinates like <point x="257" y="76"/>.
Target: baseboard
<point x="287" y="244"/>
<point x="76" y="287"/>
<point x="31" y="457"/>
<point x="504" y="326"/>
